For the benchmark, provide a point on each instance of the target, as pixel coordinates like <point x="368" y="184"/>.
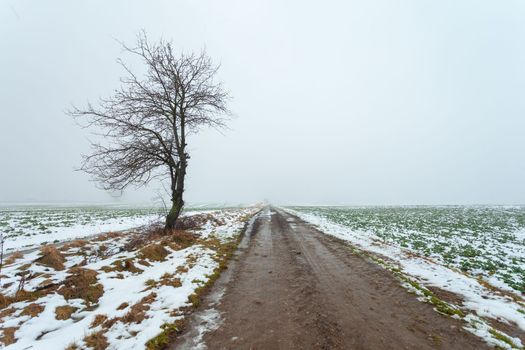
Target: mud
<point x="293" y="287"/>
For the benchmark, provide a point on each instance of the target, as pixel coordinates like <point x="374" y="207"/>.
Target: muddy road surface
<point x="293" y="287"/>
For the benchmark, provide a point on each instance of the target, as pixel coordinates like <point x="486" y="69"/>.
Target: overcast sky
<point x="337" y="102"/>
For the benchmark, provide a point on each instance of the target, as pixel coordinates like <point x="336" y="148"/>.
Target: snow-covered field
<point x="26" y="227"/>
<point x="114" y="291"/>
<point x="477" y="253"/>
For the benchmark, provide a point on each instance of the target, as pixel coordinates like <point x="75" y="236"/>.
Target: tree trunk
<point x="176" y="197"/>
<point x="174" y="213"/>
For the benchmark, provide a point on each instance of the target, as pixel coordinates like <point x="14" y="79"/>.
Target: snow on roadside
<point x="482" y="301"/>
<point x="135" y="293"/>
<point x="59" y="234"/>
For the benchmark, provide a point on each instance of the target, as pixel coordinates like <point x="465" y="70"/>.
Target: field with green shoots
<point x="23" y="227"/>
<point x="484" y="241"/>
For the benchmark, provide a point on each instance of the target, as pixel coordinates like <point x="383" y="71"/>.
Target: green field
<point x="485" y="241"/>
<point x="27" y="221"/>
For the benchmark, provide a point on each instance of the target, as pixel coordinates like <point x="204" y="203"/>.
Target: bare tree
<point x="146" y="122"/>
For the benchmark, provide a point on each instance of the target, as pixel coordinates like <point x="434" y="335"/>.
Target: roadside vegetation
<point x="120" y="290"/>
<point x="475" y="256"/>
<point x="486" y="242"/>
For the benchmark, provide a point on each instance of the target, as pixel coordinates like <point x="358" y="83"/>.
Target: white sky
<point x="338" y="102"/>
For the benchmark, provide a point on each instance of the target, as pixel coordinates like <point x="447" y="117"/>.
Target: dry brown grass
<point x="154" y="233"/>
<point x="72" y="346"/>
<point x="23" y="295"/>
<point x="122" y="306"/>
<point x="122" y="265"/>
<point x="81" y="283"/>
<point x="97" y="341"/>
<point x="7" y="312"/>
<point x="144" y="262"/>
<point x="191" y="260"/>
<point x="176" y="238"/>
<point x="24" y="267"/>
<point x="102" y="248"/>
<point x="4" y="301"/>
<point x="110" y="322"/>
<point x="153" y="252"/>
<point x="64" y="312"/>
<point x="166" y="280"/>
<point x="46" y="282"/>
<point x="170" y="280"/>
<point x="8" y="335"/>
<point x="107" y="236"/>
<point x="137" y="313"/>
<point x="77" y="243"/>
<point x="98" y="320"/>
<point x="32" y="310"/>
<point x="196" y="221"/>
<point x="182" y="269"/>
<point x="51" y="257"/>
<point x="13" y="257"/>
<point x="180" y="239"/>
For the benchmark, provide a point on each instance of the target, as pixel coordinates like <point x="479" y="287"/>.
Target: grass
<point x="98" y="320"/>
<point x="169" y="332"/>
<point x="85" y="269"/>
<point x="28" y="221"/>
<point x="483" y="241"/>
<point x="153" y="252"/>
<point x="51" y="257"/>
<point x="122" y="306"/>
<point x="22" y="295"/>
<point x="13" y="257"/>
<point x="8" y="335"/>
<point x="122" y="265"/>
<point x="137" y="312"/>
<point x="96" y="341"/>
<point x="82" y="284"/>
<point x="64" y="312"/>
<point x="32" y="310"/>
<point x="428" y="296"/>
<point x="502" y="337"/>
<point x="224" y="252"/>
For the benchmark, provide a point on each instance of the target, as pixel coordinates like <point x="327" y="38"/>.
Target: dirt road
<point x="293" y="287"/>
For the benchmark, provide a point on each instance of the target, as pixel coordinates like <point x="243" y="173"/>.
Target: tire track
<point x="296" y="288"/>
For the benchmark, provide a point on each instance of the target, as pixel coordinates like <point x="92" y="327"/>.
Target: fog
<point x="336" y="102"/>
